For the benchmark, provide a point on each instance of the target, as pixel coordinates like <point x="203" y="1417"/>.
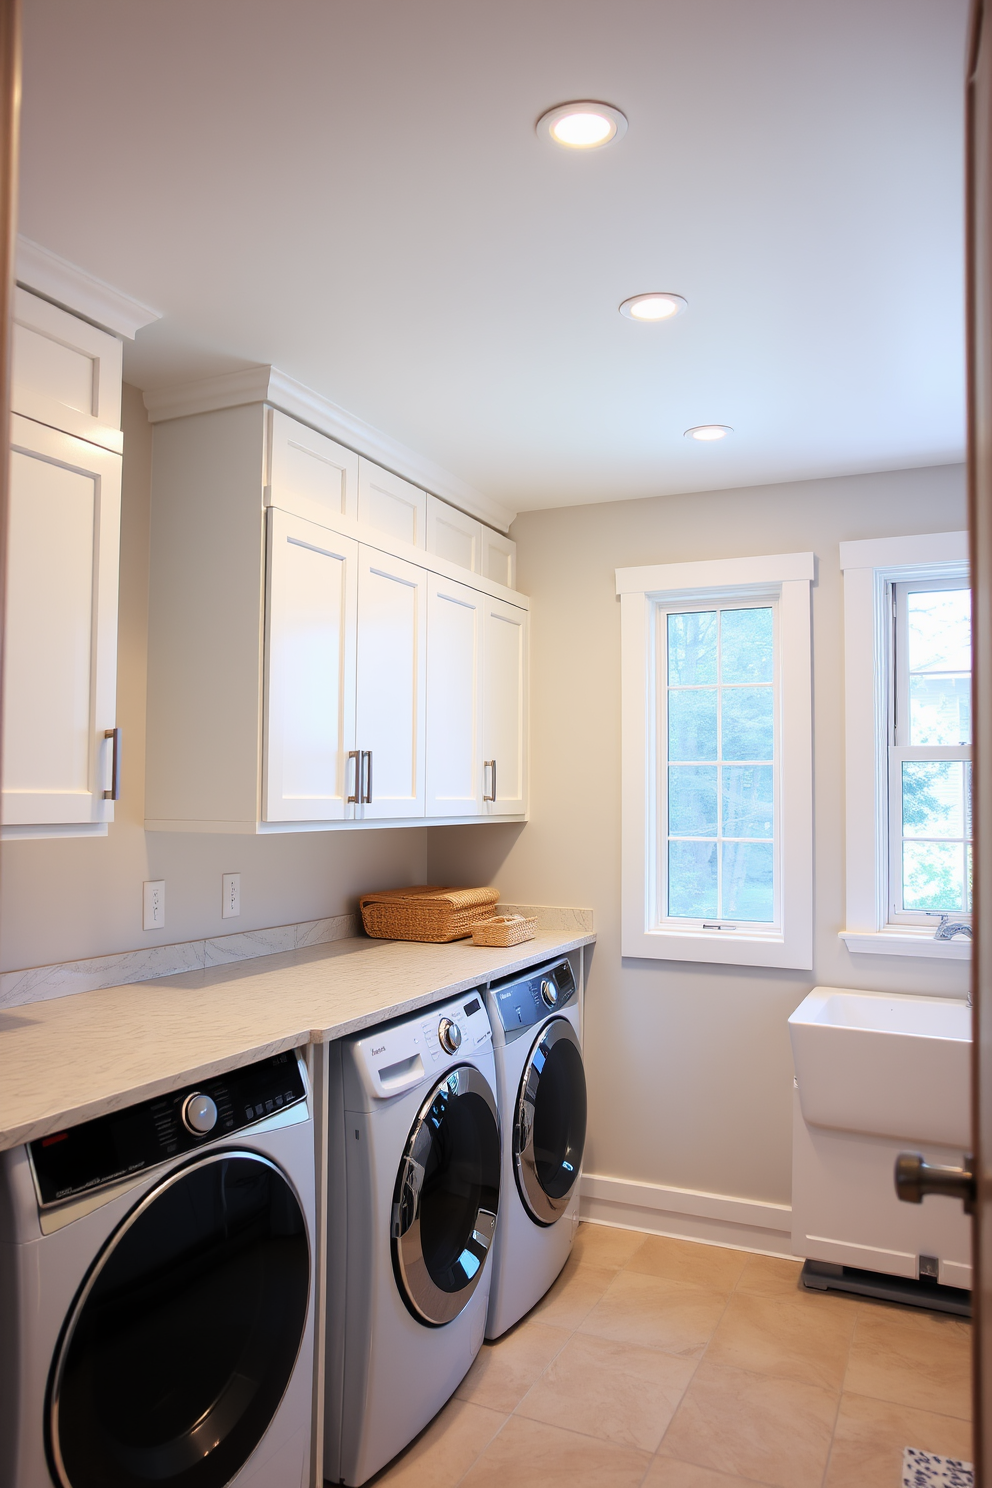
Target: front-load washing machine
<point x="541" y="1087"/>
<point x="413" y="1195"/>
<point x="156" y="1285"/>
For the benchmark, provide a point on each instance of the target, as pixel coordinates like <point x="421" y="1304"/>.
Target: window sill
<point x="906" y="943"/>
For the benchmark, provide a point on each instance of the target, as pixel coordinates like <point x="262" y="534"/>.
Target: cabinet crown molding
<point x="45" y="273"/>
<point x="264" y="384"/>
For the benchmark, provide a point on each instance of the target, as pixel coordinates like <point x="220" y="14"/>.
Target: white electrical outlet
<point x="153" y="905"/>
<point x="231" y="898"/>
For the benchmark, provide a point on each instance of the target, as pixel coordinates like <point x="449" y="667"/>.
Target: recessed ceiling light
<point x="707" y="433"/>
<point x="658" y="305"/>
<point x="582" y="126"/>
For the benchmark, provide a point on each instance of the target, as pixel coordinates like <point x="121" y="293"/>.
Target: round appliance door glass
<point x="447" y="1197"/>
<point x="550" y="1128"/>
<point x="184" y="1335"/>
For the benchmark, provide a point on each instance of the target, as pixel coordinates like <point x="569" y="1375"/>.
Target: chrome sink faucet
<point x="947" y="929"/>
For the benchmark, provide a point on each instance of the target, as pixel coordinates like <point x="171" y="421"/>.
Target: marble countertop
<point x="72" y="1058"/>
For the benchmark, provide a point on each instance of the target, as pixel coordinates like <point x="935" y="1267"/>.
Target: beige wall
<point x="64" y="898"/>
<point x="689" y="1065"/>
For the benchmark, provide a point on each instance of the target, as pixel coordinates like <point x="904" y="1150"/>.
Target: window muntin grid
<point x="720" y="777"/>
<point x="930" y="830"/>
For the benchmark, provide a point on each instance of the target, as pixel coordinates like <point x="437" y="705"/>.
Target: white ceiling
<point x="353" y="190"/>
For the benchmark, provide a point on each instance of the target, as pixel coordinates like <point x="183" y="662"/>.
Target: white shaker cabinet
<point x="311" y="633"/>
<point x="454" y="698"/>
<point x="453" y="535"/>
<point x="505" y="652"/>
<point x="65" y="372"/>
<point x="309" y="672"/>
<point x="60" y="660"/>
<point x="309" y="474"/>
<point x="499" y="558"/>
<point x="391" y="505"/>
<point x="391" y="686"/>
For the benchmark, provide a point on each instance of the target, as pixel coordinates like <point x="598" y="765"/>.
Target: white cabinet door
<point x="504" y="708"/>
<point x="454" y="699"/>
<point x="60" y="657"/>
<point x="392" y="657"/>
<point x="309" y="475"/>
<point x="499" y="558"/>
<point x="391" y="504"/>
<point x="311" y="617"/>
<point x="65" y="372"/>
<point x="453" y="535"/>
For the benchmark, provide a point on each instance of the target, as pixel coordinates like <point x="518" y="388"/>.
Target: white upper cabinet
<point x="504" y="708"/>
<point x="311" y="619"/>
<point x="309" y="674"/>
<point x="499" y="558"/>
<point x="391" y="505"/>
<point x="309" y="474"/>
<point x="65" y="372"/>
<point x="454" y="699"/>
<point x="392" y="686"/>
<point x="60" y="658"/>
<point x="453" y="535"/>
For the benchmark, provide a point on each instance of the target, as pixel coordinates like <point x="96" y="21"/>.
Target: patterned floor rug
<point x="926" y="1470"/>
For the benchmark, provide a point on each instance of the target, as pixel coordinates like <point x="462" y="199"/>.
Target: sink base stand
<point x="823" y="1276"/>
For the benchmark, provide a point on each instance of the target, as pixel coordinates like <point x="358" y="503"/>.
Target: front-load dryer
<point x="541" y="1086"/>
<point x="413" y="1195"/>
<point x="156" y="1292"/>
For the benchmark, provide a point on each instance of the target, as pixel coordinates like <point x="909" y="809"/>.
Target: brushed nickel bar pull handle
<point x="356" y="755"/>
<point x="114" y="793"/>
<point x="494" y="780"/>
<point x="367" y="798"/>
<point x="489" y="765"/>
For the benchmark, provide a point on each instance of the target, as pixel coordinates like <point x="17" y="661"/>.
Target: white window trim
<point x="869" y="567"/>
<point x="788" y="577"/>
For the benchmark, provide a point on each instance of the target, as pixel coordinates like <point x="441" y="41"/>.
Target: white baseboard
<point x="685" y="1214"/>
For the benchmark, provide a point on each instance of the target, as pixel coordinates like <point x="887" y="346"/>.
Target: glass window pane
<point x="933" y="798"/>
<point x="748" y="731"/>
<point x="692" y="800"/>
<point x="933" y="875"/>
<point x="692" y="879"/>
<point x="939" y="709"/>
<point x="748" y="873"/>
<point x="939" y="625"/>
<point x="692" y="724"/>
<point x="748" y="797"/>
<point x="746" y="646"/>
<point x="692" y="648"/>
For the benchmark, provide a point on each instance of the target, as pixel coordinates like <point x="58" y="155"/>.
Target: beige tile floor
<point x="668" y="1364"/>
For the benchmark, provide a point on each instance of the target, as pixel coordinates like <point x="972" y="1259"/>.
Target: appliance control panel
<point x="398" y="1056"/>
<point x="526" y="1000"/>
<point x="110" y="1148"/>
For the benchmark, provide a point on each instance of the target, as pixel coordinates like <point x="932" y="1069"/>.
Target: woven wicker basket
<point x="504" y="930"/>
<point x="426" y="912"/>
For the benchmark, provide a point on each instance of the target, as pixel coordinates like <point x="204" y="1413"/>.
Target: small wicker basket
<point x="426" y="912"/>
<point x="504" y="930"/>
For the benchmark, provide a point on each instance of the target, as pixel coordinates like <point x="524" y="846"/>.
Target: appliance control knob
<point x="199" y="1114"/>
<point x="549" y="992"/>
<point x="450" y="1035"/>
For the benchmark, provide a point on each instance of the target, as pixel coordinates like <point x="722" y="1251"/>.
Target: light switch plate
<point x="153" y="905"/>
<point x="231" y="900"/>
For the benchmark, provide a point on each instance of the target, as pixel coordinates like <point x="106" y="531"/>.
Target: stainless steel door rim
<point x="437" y="1280"/>
<point x="543" y="1206"/>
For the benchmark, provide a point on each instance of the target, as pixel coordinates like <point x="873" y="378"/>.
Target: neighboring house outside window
<point x="717" y="835"/>
<point x="907" y="608"/>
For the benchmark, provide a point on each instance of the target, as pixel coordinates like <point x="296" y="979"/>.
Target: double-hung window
<point x="716" y="761"/>
<point x="907" y="609"/>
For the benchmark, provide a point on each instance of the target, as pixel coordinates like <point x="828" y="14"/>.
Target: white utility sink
<point x="890" y="1066"/>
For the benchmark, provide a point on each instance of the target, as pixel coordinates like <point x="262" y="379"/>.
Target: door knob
<point x="916" y="1178"/>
